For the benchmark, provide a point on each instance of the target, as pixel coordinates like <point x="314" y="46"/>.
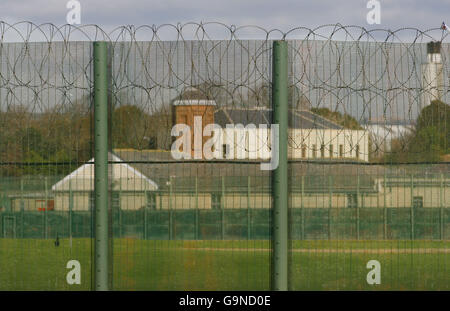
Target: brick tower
<point x="193" y="103"/>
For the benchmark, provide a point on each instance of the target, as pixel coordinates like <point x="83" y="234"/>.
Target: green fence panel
<point x="236" y="224"/>
<point x="427" y="223"/>
<point x="316" y="224"/>
<point x="343" y="223"/>
<point x="260" y="224"/>
<point x="371" y="223"/>
<point x="399" y="223"/>
<point x="184" y="225"/>
<point x="210" y="225"/>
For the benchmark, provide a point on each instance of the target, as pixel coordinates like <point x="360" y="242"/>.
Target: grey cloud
<point x="283" y="14"/>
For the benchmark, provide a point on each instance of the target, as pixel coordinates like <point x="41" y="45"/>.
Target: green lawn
<point x="32" y="264"/>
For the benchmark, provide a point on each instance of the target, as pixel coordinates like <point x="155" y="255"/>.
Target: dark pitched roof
<point x="160" y="167"/>
<point x="317" y="176"/>
<point x="298" y="119"/>
<point x="308" y="120"/>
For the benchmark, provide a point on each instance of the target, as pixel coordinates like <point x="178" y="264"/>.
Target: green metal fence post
<point x="22" y="208"/>
<point x="385" y="209"/>
<point x="160" y="195"/>
<point x="70" y="211"/>
<point x="196" y="208"/>
<point x="145" y="214"/>
<point x="170" y="192"/>
<point x="330" y="197"/>
<point x="101" y="163"/>
<point x="45" y="210"/>
<point x="302" y="208"/>
<point x="170" y="207"/>
<point x="441" y="210"/>
<point x="412" y="208"/>
<point x="280" y="175"/>
<point x="145" y="224"/>
<point x="357" y="207"/>
<point x="222" y="205"/>
<point x="248" y="209"/>
<point x="196" y="192"/>
<point x="119" y="211"/>
<point x="170" y="224"/>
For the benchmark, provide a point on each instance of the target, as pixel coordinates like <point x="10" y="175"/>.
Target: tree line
<point x="429" y="139"/>
<point x="57" y="140"/>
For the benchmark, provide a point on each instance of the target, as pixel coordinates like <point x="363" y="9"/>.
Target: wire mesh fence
<point x="368" y="157"/>
<point x="236" y="224"/>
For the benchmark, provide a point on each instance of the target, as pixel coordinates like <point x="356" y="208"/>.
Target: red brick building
<point x="190" y="104"/>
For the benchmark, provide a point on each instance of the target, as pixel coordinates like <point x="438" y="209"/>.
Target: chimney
<point x="432" y="75"/>
<point x="434" y="52"/>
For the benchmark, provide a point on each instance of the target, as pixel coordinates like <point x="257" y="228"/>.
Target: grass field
<point x="30" y="264"/>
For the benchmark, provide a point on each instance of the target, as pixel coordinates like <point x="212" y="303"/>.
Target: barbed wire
<point x="362" y="89"/>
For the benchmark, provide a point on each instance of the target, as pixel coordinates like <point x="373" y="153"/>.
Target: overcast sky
<point x="273" y="14"/>
<point x="281" y="14"/>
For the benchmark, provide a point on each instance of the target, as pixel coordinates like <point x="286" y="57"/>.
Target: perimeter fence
<point x="364" y="165"/>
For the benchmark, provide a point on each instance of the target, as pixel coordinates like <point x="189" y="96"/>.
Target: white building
<point x="245" y="133"/>
<point x="79" y="186"/>
<point x="310" y="136"/>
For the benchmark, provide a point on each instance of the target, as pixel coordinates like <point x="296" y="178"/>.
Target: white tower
<point x="432" y="74"/>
